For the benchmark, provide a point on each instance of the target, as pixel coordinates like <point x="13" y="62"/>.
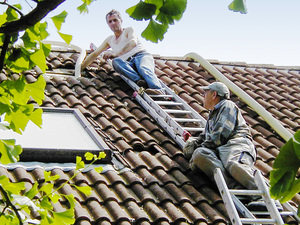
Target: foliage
<point x="16" y="203"/>
<point x="162" y="13"/>
<point x="22" y="49"/>
<point x="283" y="179"/>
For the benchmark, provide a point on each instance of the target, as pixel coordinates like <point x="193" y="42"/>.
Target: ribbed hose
<point x="274" y="123"/>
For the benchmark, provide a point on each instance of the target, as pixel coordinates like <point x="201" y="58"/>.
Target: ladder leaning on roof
<point x="174" y="115"/>
<point x="233" y="204"/>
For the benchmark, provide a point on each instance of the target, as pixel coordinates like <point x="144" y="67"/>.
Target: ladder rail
<point x="229" y="197"/>
<point x="230" y="201"/>
<point x="154" y="113"/>
<point x="185" y="105"/>
<point x="267" y="198"/>
<point x="173" y="128"/>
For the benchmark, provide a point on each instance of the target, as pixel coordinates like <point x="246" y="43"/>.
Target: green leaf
<point x="59" y="19"/>
<point x="165" y="18"/>
<point x="11" y="188"/>
<point x="46" y="48"/>
<point x="83" y="8"/>
<point x="71" y="200"/>
<point x="36" y="90"/>
<point x="174" y="7"/>
<point x="46" y="204"/>
<point x="3" y="18"/>
<point x="238" y="6"/>
<point x="36" y="117"/>
<point x="47" y="188"/>
<point x="48" y="177"/>
<point x="101" y="155"/>
<point x="155" y="31"/>
<point x="287" y="151"/>
<point x="12" y="14"/>
<point x="142" y="11"/>
<point x="296" y="143"/>
<point x="79" y="163"/>
<point x="29" y="39"/>
<point x="98" y="169"/>
<point x="33" y="191"/>
<point x="43" y="31"/>
<point x="19" y="117"/>
<point x="18" y="61"/>
<point x="64" y="218"/>
<point x="66" y="37"/>
<point x="54" y="197"/>
<point x="9" y="151"/>
<point x="39" y="59"/>
<point x="87" y="190"/>
<point x="89" y="156"/>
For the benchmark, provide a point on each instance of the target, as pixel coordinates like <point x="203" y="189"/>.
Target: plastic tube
<point x="274" y="123"/>
<point x="75" y="47"/>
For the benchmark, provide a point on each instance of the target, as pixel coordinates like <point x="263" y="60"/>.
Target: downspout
<point x="77" y="48"/>
<point x="274" y="123"/>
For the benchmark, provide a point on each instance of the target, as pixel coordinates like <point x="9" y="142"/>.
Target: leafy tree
<point x="15" y="93"/>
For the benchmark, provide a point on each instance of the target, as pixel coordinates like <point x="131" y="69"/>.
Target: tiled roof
<point x="158" y="187"/>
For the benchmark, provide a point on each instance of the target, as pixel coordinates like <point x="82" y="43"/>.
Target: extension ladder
<point x="173" y="114"/>
<point x="233" y="204"/>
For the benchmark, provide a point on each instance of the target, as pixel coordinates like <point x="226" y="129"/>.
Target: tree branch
<point x="4" y="193"/>
<point x="3" y="51"/>
<point x="36" y="15"/>
<point x="13" y="7"/>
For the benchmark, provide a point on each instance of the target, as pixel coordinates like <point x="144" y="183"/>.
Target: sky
<point x="268" y="34"/>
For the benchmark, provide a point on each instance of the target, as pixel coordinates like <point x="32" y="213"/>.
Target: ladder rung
<point x="253" y="220"/>
<point x="266" y="213"/>
<point x="167" y="103"/>
<point x="245" y="192"/>
<point x="160" y="96"/>
<point x="193" y="128"/>
<point x="186" y="120"/>
<point x="177" y="111"/>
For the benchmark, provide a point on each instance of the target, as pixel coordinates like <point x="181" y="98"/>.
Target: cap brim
<point x="205" y="87"/>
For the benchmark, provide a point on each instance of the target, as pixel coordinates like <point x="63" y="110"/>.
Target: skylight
<point x="61" y="129"/>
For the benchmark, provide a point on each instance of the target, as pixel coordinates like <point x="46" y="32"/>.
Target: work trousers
<point x="141" y="66"/>
<point x="235" y="159"/>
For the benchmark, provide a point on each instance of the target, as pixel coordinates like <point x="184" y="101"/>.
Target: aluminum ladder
<point x="173" y="114"/>
<point x="234" y="205"/>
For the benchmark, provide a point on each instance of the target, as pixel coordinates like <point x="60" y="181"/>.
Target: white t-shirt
<point x="122" y="42"/>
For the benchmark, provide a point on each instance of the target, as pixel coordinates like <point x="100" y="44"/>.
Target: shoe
<point x="150" y="91"/>
<point x="141" y="83"/>
<point x="258" y="205"/>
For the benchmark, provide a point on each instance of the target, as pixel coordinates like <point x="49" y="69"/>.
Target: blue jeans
<point x="141" y="66"/>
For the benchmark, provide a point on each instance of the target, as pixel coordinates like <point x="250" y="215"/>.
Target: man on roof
<point x="226" y="143"/>
<point x="128" y="55"/>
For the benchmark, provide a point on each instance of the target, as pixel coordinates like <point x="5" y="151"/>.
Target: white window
<point x="64" y="132"/>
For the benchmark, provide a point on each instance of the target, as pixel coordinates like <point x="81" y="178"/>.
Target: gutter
<point x="274" y="123"/>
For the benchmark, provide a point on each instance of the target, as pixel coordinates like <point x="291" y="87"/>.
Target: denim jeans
<point x="141" y="66"/>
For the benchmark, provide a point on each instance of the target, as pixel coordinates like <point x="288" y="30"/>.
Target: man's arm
<point x="104" y="46"/>
<point x="132" y="41"/>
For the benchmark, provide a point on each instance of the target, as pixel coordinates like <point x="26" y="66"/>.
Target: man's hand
<point x="109" y="55"/>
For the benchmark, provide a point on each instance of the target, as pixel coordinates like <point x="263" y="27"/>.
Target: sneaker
<point x="258" y="205"/>
<point x="141" y="83"/>
<point x="150" y="91"/>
